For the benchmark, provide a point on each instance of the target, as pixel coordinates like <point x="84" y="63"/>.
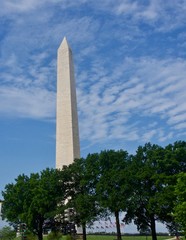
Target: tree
<point x="80" y="190"/>
<point x="180" y="206"/>
<point x="112" y="187"/>
<point x="175" y="159"/>
<point x="7" y="233"/>
<point x="155" y="171"/>
<point x="143" y="206"/>
<point x="14" y="196"/>
<point x="33" y="199"/>
<point x="173" y="163"/>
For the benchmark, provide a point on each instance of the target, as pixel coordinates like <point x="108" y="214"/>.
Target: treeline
<point x="149" y="186"/>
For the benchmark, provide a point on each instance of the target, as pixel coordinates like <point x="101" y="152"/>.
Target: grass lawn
<point x="124" y="237"/>
<point x="102" y="237"/>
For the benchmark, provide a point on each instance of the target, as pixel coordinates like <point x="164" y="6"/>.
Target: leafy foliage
<point x="149" y="186"/>
<point x="33" y="199"/>
<point x="54" y="236"/>
<point x="81" y="191"/>
<point x="180" y="207"/>
<point x="7" y="233"/>
<point x="155" y="172"/>
<point x="112" y="188"/>
<point x="143" y="204"/>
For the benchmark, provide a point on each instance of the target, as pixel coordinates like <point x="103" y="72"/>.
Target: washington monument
<point x="67" y="132"/>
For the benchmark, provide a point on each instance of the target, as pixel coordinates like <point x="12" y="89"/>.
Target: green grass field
<point x="101" y="237"/>
<point x="106" y="237"/>
<point x="89" y="237"/>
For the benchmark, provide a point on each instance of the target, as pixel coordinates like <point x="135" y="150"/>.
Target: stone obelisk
<point x="67" y="132"/>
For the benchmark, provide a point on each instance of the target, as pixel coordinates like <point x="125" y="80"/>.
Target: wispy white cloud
<point x="20" y="6"/>
<point x="26" y="91"/>
<point x="118" y="97"/>
<point x="27" y="103"/>
<point x="181" y="126"/>
<point x="130" y="64"/>
<point x="166" y="15"/>
<point x="24" y="6"/>
<point x="141" y="94"/>
<point x="177" y="118"/>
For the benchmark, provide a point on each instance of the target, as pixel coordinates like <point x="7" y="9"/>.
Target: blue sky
<point x="130" y="66"/>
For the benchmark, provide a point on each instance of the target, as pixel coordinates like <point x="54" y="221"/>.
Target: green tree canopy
<point x="180" y="206"/>
<point x="143" y="205"/>
<point x="112" y="187"/>
<point x="33" y="199"/>
<point x="80" y="190"/>
<point x="7" y="233"/>
<point x="155" y="170"/>
<point x="172" y="164"/>
<point x="149" y="186"/>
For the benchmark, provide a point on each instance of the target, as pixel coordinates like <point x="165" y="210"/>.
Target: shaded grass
<point x="112" y="237"/>
<point x="100" y="237"/>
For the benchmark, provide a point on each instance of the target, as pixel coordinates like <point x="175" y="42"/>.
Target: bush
<point x="7" y="233"/>
<point x="31" y="236"/>
<point x="54" y="236"/>
<point x="69" y="237"/>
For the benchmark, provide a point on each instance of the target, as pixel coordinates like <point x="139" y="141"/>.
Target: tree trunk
<point x="40" y="230"/>
<point x="84" y="232"/>
<point x="40" y="236"/>
<point x="118" y="225"/>
<point x="153" y="227"/>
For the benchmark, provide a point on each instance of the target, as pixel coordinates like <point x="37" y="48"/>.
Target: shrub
<point x="69" y="237"/>
<point x="31" y="236"/>
<point x="7" y="233"/>
<point x="54" y="236"/>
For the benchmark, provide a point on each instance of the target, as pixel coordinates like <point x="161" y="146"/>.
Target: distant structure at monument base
<point x="1" y="208"/>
